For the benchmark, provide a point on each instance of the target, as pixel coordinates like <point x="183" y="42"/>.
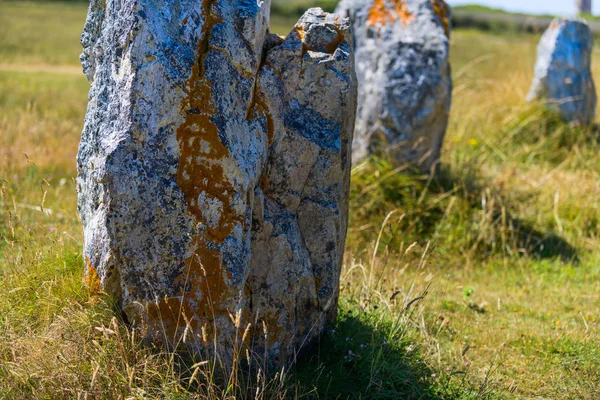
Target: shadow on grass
<point x="356" y="361"/>
<point x="524" y="237"/>
<point x="458" y="211"/>
<point x="545" y="245"/>
<point x="365" y="356"/>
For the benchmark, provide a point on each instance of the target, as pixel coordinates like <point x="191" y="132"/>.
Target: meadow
<point x="480" y="283"/>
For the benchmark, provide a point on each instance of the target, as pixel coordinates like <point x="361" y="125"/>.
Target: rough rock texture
<point x="563" y="77"/>
<point x="214" y="169"/>
<point x="405" y="85"/>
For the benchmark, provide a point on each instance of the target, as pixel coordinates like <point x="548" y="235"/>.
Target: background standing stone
<point x="214" y="169"/>
<point x="584" y="6"/>
<point x="405" y="85"/>
<point x="563" y="77"/>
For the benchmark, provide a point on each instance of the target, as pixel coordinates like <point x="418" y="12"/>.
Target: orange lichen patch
<point x="168" y="315"/>
<point x="443" y="12"/>
<point x="209" y="195"/>
<point x="201" y="175"/>
<point x="330" y="47"/>
<point x="202" y="151"/>
<point x="92" y="280"/>
<point x="383" y="12"/>
<point x="204" y="274"/>
<point x="301" y="33"/>
<point x="275" y="332"/>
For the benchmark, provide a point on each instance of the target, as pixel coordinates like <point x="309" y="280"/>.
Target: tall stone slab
<point x="584" y="6"/>
<point x="214" y="170"/>
<point x="405" y="84"/>
<point x="563" y="77"/>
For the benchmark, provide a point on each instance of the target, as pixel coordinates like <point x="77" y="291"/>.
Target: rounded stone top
<point x="322" y="31"/>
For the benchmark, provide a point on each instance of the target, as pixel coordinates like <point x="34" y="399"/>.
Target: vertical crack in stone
<point x="304" y="188"/>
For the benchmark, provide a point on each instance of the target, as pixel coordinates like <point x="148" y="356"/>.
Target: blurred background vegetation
<point x="286" y="12"/>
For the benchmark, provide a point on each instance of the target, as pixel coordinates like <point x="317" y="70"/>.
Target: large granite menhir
<point x="405" y="84"/>
<point x="214" y="170"/>
<point x="563" y="77"/>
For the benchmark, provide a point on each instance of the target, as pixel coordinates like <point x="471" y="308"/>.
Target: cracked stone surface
<point x="405" y="85"/>
<point x="563" y="77"/>
<point x="214" y="169"/>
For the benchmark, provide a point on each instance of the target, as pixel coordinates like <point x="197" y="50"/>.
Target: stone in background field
<point x="563" y="77"/>
<point x="584" y="6"/>
<point x="214" y="170"/>
<point x="405" y="84"/>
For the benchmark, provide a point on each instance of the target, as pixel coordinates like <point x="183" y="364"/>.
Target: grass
<point x="23" y="42"/>
<point x="499" y="20"/>
<point x="486" y="9"/>
<point x="295" y="8"/>
<point x="480" y="283"/>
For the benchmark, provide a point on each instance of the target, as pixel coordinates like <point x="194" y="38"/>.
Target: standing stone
<point x="214" y="170"/>
<point x="584" y="6"/>
<point x="563" y="76"/>
<point x="405" y="85"/>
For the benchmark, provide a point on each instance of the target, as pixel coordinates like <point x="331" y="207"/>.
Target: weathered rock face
<point x="214" y="169"/>
<point x="405" y="85"/>
<point x="563" y="77"/>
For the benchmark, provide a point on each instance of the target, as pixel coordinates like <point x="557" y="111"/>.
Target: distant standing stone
<point x="214" y="170"/>
<point x="584" y="6"/>
<point x="405" y="84"/>
<point x="563" y="77"/>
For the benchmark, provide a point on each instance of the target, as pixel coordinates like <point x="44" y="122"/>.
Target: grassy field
<point x="481" y="283"/>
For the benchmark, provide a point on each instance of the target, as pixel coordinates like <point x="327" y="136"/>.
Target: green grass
<point x="295" y="8"/>
<point x="503" y="245"/>
<point x="40" y="33"/>
<point x="486" y="9"/>
<point x="47" y="33"/>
